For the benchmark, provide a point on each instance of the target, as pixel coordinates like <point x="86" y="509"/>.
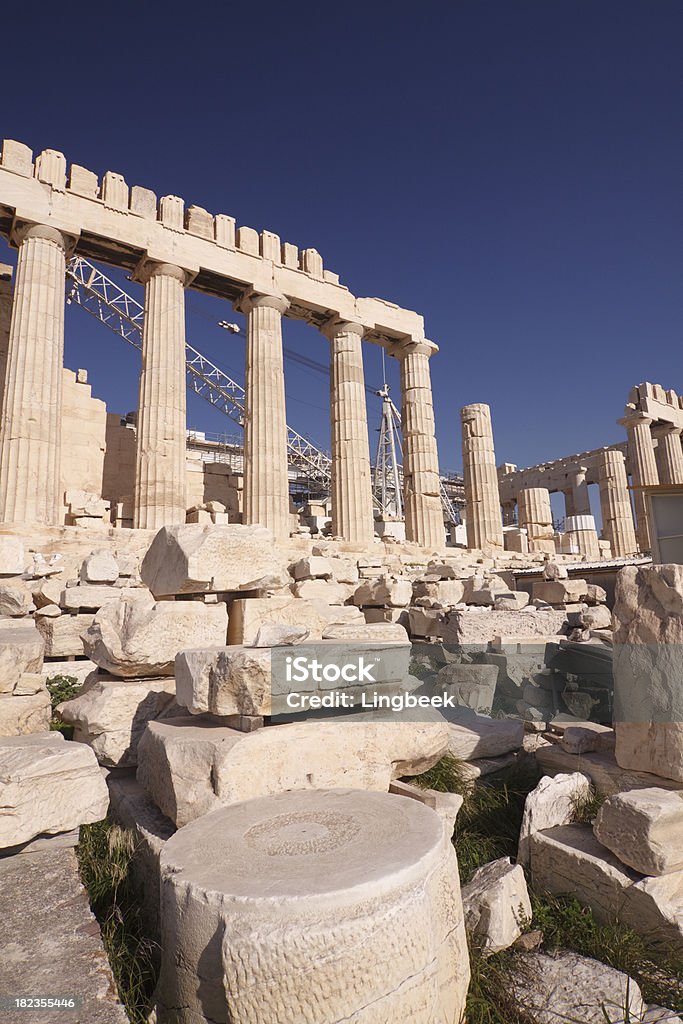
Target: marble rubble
<point x="497" y="905"/>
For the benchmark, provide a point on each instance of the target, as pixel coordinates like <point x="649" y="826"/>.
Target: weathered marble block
<point x="111" y="714"/>
<point x="648" y="669"/>
<point x="196" y="559"/>
<point x="242" y="680"/>
<point x="47" y="785"/>
<point x="21" y="651"/>
<point x="191" y="766"/>
<point x="644" y="828"/>
<point x="139" y="637"/>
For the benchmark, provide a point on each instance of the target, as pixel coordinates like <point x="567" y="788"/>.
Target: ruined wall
<point x="119" y="463"/>
<point x="83" y="433"/>
<point x="206" y="481"/>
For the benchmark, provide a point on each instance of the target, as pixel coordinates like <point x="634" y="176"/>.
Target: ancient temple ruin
<point x="287" y="853"/>
<point x="49" y="211"/>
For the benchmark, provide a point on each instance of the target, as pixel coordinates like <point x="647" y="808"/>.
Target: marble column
<point x="30" y="489"/>
<point x="669" y="453"/>
<point x="352" y="514"/>
<point x="536" y="517"/>
<point x="482" y="499"/>
<point x="576" y="496"/>
<point x="266" y="482"/>
<point x="641" y="456"/>
<point x="5" y="320"/>
<point x="582" y="537"/>
<point x="615" y="504"/>
<point x="161" y="429"/>
<point x="421" y="481"/>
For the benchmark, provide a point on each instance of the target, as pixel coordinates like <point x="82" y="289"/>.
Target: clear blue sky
<point x="509" y="168"/>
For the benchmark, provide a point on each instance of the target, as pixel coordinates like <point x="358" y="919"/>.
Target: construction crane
<point x="388" y="474"/>
<point x="121" y="313"/>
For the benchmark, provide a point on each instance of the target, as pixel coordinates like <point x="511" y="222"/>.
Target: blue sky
<point x="509" y="168"/>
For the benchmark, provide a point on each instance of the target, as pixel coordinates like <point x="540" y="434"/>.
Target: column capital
<point x="664" y="429"/>
<point x="254" y="299"/>
<point x="334" y="327"/>
<point x="148" y="268"/>
<point x="67" y="242"/>
<point x="635" y="419"/>
<point x="413" y="346"/>
<point x="609" y="454"/>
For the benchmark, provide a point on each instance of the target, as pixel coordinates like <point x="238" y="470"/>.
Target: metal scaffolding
<point x="91" y="289"/>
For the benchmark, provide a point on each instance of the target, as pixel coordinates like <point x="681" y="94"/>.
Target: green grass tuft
<point x="488" y="824"/>
<point x="490" y="997"/>
<point x="448" y="775"/>
<point x="585" y="808"/>
<point x="104" y="854"/>
<point x="61" y="688"/>
<point x="566" y="924"/>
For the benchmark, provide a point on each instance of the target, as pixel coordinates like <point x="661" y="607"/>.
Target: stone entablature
<point x="558" y="475"/>
<point x="49" y="211"/>
<point x="660" y="405"/>
<point x="121" y="225"/>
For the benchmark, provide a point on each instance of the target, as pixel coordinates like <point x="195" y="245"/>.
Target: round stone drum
<point x="312" y="907"/>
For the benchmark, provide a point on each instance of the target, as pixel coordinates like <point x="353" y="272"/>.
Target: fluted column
<point x="421" y="482"/>
<point x="615" y="504"/>
<point x="266" y="484"/>
<point x="670" y="453"/>
<point x="482" y="499"/>
<point x="5" y="320"/>
<point x="30" y="489"/>
<point x="536" y="517"/>
<point x="160" y="466"/>
<point x="641" y="456"/>
<point x="576" y="497"/>
<point x="352" y="515"/>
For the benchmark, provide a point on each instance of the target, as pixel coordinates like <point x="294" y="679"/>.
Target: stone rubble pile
<point x="188" y="693"/>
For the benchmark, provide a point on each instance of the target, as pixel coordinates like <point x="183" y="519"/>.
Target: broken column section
<point x="484" y="522"/>
<point x="536" y="517"/>
<point x="363" y="885"/>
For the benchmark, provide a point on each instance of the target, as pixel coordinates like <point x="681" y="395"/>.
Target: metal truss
<point x="387" y="482"/>
<point x="124" y="315"/>
<point x="116" y="309"/>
